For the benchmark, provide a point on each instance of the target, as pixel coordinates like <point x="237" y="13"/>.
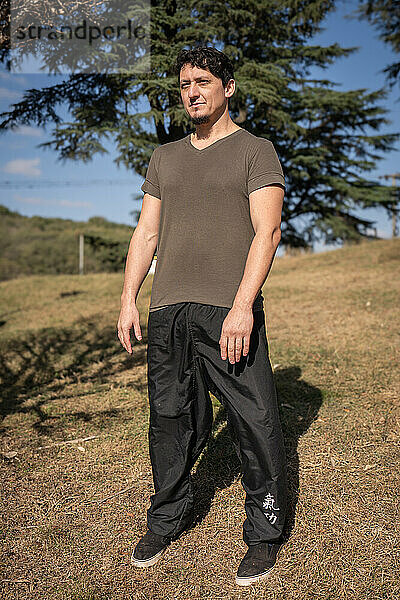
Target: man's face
<point x="203" y="94"/>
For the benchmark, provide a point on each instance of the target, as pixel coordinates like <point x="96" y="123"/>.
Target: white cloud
<point x="383" y="233"/>
<point x="45" y="202"/>
<point x="27" y="130"/>
<point x="75" y="203"/>
<point x="23" y="166"/>
<point x="7" y="94"/>
<point x="15" y="78"/>
<point x="30" y="200"/>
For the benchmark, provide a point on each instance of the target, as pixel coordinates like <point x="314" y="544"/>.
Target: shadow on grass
<point x="219" y="465"/>
<point x="41" y="365"/>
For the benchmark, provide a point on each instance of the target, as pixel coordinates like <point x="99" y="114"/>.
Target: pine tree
<point x="385" y="16"/>
<point x="320" y="133"/>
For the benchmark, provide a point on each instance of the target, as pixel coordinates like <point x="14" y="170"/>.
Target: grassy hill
<point x="38" y="245"/>
<point x="75" y="467"/>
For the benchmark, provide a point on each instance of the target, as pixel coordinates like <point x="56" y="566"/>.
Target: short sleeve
<point x="264" y="168"/>
<point x="151" y="183"/>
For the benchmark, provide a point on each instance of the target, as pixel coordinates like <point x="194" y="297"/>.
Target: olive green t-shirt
<point x="205" y="230"/>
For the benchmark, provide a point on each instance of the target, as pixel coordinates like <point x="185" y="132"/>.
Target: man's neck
<point x="212" y="134"/>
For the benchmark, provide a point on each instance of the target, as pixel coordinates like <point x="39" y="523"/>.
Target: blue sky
<point x="42" y="185"/>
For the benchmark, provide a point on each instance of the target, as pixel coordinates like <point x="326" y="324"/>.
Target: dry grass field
<point x="76" y="474"/>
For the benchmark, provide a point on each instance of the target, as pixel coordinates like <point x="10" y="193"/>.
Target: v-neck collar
<point x="189" y="142"/>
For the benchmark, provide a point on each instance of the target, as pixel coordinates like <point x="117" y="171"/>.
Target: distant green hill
<point x="38" y="245"/>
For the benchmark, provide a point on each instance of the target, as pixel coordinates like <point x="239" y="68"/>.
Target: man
<point x="212" y="208"/>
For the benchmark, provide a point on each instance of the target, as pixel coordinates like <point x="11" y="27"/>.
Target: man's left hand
<point x="235" y="334"/>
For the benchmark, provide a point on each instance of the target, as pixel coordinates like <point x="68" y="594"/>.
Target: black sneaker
<point x="149" y="549"/>
<point x="257" y="563"/>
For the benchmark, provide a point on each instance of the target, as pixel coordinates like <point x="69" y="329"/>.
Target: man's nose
<point x="193" y="91"/>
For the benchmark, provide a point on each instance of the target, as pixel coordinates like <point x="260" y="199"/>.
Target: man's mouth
<point x="198" y="104"/>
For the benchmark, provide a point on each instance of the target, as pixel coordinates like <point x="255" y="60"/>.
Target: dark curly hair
<point x="206" y="57"/>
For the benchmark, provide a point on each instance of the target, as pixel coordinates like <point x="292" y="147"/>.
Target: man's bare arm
<point x="139" y="258"/>
<point x="265" y="211"/>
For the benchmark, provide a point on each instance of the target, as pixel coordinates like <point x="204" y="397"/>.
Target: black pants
<point x="184" y="363"/>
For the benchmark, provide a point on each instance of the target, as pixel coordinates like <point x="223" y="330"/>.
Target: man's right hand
<point x="128" y="318"/>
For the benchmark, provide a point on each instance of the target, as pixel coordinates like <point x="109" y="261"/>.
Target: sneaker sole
<point x="148" y="562"/>
<point x="249" y="580"/>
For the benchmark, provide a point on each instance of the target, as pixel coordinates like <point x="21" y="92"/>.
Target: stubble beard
<point x="200" y="120"/>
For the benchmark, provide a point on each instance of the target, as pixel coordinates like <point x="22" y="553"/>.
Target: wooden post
<point x="81" y="253"/>
<point x="394" y="213"/>
<point x="393" y="177"/>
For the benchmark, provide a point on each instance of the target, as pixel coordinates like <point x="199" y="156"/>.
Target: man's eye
<point x="201" y="81"/>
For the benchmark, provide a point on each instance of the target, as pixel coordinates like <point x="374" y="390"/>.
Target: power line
<point x="7" y="184"/>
